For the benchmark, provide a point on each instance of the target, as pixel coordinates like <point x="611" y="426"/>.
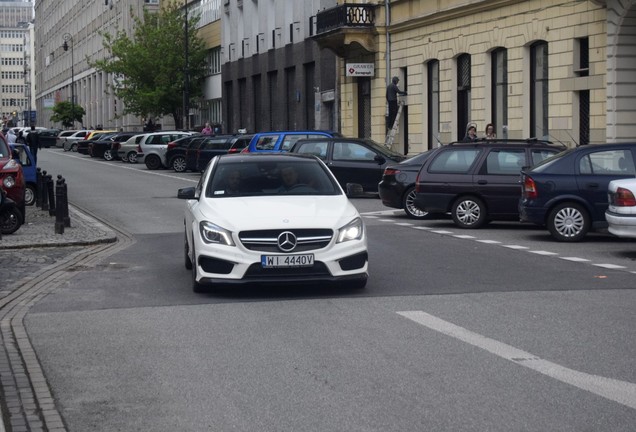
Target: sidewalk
<point x="39" y="231"/>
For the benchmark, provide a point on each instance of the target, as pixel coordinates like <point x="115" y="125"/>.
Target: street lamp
<point x="186" y="73"/>
<point x="67" y="37"/>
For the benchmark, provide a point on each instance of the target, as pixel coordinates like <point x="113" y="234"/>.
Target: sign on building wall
<point x="360" y="69"/>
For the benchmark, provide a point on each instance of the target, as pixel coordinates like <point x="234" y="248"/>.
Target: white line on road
<point x="622" y="392"/>
<point x="518" y="247"/>
<point x="575" y="259"/>
<point x="464" y="236"/>
<point x="441" y="232"/>
<point x="489" y="241"/>
<point x="542" y="252"/>
<point x="610" y="266"/>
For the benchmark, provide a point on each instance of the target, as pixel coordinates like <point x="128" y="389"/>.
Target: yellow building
<point x="556" y="69"/>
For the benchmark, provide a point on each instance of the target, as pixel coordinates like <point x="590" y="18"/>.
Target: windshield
<point x="4" y="149"/>
<point x="262" y="178"/>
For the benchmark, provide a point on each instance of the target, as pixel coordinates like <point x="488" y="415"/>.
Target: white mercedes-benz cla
<point x="275" y="219"/>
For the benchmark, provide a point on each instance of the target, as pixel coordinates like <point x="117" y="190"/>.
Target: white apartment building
<point x="15" y="60"/>
<point x="61" y="74"/>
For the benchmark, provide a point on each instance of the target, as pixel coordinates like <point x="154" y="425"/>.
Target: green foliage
<point x="149" y="66"/>
<point x="67" y="113"/>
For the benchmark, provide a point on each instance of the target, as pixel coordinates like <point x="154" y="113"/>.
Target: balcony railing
<point x="345" y="15"/>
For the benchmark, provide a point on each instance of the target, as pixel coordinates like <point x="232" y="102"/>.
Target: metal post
<point x="51" y="192"/>
<point x="59" y="211"/>
<point x="45" y="193"/>
<point x="38" y="187"/>
<point x="64" y="204"/>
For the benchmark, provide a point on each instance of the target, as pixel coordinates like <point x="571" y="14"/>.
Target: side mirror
<point x="186" y="193"/>
<point x="354" y="190"/>
<point x="379" y="159"/>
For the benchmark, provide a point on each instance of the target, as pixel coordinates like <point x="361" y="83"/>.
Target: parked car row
<point x="565" y="190"/>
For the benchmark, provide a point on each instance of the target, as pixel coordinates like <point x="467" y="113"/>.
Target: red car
<point x="11" y="176"/>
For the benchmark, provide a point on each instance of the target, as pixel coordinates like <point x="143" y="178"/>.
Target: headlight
<point x="351" y="231"/>
<point x="8" y="182"/>
<point x="211" y="233"/>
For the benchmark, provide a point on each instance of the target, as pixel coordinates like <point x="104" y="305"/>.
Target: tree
<point x="67" y="113"/>
<point x="149" y="67"/>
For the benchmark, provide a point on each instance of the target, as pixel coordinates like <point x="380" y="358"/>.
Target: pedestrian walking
<point x="392" y="92"/>
<point x="33" y="140"/>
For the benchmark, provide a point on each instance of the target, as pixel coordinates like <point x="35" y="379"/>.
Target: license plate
<point x="276" y="261"/>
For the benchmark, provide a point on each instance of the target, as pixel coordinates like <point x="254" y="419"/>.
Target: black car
<point x="47" y="137"/>
<point x="352" y="160"/>
<point x="176" y="153"/>
<point x="102" y="147"/>
<point x="397" y="187"/>
<point x="83" y="146"/>
<point x="478" y="181"/>
<point x="568" y="192"/>
<point x="211" y="148"/>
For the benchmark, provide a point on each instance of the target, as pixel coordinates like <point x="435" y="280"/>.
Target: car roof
<point x="269" y="157"/>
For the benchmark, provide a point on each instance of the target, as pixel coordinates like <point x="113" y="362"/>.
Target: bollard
<point x="45" y="193"/>
<point x="64" y="202"/>
<point x="38" y="187"/>
<point x="51" y="192"/>
<point x="59" y="210"/>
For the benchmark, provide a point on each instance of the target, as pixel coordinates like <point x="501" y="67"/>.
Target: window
<point x="540" y="155"/>
<point x="609" y="162"/>
<point x="539" y="90"/>
<point x="213" y="61"/>
<point x="582" y="57"/>
<point x="499" y="115"/>
<point x="463" y="94"/>
<point x="352" y="152"/>
<point x="584" y="117"/>
<point x="315" y="148"/>
<point x="433" y="103"/>
<point x="506" y="162"/>
<point x="454" y="161"/>
<point x="266" y="142"/>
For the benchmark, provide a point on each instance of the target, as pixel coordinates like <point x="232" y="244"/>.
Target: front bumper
<point x="237" y="265"/>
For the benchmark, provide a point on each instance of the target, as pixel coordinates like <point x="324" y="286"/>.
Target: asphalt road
<point x="499" y="329"/>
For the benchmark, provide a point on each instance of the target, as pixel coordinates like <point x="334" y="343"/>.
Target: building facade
<point x="561" y="70"/>
<point x="65" y="74"/>
<point x="15" y="61"/>
<point x="275" y="77"/>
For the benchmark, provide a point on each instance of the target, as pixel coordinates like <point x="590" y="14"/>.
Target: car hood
<point x="253" y="213"/>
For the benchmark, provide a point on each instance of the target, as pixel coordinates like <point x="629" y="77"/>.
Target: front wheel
<point x="408" y="204"/>
<point x="469" y="212"/>
<point x="30" y="194"/>
<point x="108" y="155"/>
<point x="568" y="222"/>
<point x="178" y="164"/>
<point x="153" y="162"/>
<point x="10" y="220"/>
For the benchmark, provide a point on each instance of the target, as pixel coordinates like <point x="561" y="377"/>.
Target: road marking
<point x="489" y="241"/>
<point x="610" y="266"/>
<point x="387" y="220"/>
<point x="441" y="232"/>
<point x="369" y="216"/>
<point x="575" y="259"/>
<point x="423" y="228"/>
<point x="542" y="252"/>
<point x="464" y="236"/>
<point x="404" y="223"/>
<point x="623" y="392"/>
<point x="518" y="247"/>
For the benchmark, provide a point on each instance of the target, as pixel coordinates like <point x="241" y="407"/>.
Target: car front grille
<point x="267" y="240"/>
<point x="257" y="271"/>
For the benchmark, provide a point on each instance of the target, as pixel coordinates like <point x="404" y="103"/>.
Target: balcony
<point x="347" y="29"/>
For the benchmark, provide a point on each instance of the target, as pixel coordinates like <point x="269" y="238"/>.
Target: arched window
<point x="433" y="103"/>
<point x="539" y="90"/>
<point x="499" y="114"/>
<point x="463" y="94"/>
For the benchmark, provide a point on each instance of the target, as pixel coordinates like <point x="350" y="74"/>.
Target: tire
<point x="10" y="220"/>
<point x="408" y="204"/>
<point x="186" y="253"/>
<point x="74" y="147"/>
<point x="153" y="162"/>
<point x="568" y="222"/>
<point x="469" y="212"/>
<point x="178" y="164"/>
<point x="196" y="286"/>
<point x="30" y="193"/>
<point x="108" y="155"/>
<point x="124" y="158"/>
<point x="131" y="157"/>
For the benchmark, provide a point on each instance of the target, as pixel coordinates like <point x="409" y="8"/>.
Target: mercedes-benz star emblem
<point x="286" y="241"/>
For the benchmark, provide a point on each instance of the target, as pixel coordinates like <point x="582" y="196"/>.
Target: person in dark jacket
<point x="392" y="92"/>
<point x="33" y="140"/>
<point x="471" y="133"/>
